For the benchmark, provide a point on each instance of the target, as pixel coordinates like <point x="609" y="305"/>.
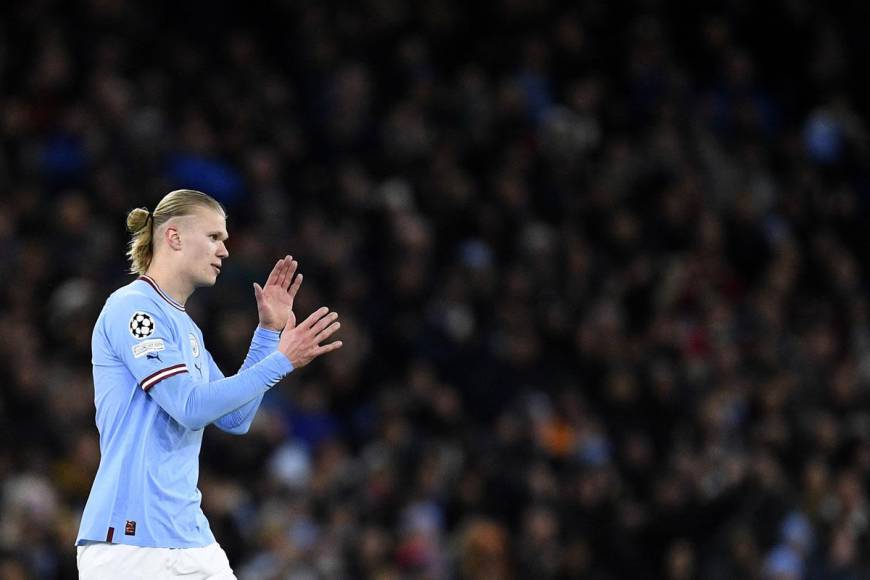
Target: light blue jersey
<point x="156" y="388"/>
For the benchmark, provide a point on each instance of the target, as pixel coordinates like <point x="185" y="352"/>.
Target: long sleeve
<point x="239" y="421"/>
<point x="196" y="405"/>
<point x="156" y="360"/>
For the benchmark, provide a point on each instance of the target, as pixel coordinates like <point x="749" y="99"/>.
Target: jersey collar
<point x="160" y="291"/>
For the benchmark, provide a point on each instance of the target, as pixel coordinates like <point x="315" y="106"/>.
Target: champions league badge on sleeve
<point x="141" y="325"/>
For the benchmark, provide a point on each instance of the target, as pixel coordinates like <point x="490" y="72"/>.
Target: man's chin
<point x="207" y="282"/>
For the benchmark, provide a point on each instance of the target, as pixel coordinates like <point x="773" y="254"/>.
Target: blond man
<point x="157" y="388"/>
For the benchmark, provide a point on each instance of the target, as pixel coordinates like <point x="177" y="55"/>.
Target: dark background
<point x="600" y="265"/>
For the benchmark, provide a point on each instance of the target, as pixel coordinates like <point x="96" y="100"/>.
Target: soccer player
<point x="157" y="387"/>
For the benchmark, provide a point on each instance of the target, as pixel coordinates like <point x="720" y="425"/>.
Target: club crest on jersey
<point x="194" y="345"/>
<point x="142" y="325"/>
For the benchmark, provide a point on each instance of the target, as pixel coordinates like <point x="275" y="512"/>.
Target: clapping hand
<point x="275" y="298"/>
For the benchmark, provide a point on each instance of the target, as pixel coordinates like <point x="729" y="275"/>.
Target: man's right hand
<point x="301" y="344"/>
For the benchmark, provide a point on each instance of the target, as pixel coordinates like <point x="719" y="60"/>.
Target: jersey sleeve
<point x="263" y="343"/>
<point x="144" y="339"/>
<point x="195" y="405"/>
<point x="192" y="404"/>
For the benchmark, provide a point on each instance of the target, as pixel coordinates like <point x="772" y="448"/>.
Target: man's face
<point x="203" y="235"/>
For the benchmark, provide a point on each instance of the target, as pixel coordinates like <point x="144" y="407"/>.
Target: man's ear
<point x="173" y="238"/>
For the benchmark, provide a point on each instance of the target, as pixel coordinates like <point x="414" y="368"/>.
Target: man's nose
<point x="223" y="252"/>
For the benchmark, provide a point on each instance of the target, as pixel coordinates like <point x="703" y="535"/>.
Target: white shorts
<point x="101" y="561"/>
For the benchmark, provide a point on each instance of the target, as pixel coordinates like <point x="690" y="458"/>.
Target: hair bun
<point x="137" y="219"/>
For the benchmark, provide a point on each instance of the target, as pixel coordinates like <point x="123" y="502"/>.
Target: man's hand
<point x="301" y="344"/>
<point x="275" y="299"/>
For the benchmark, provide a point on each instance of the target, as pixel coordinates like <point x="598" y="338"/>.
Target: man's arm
<point x="275" y="311"/>
<point x="195" y="405"/>
<point x="239" y="421"/>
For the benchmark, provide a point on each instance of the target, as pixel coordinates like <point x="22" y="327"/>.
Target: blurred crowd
<point x="599" y="264"/>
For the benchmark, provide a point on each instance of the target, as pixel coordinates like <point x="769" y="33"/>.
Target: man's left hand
<point x="275" y="298"/>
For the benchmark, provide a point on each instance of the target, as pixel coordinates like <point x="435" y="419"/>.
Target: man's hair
<point x="141" y="223"/>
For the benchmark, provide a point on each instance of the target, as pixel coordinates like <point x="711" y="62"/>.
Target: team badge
<point x="141" y="325"/>
<point x="194" y="345"/>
